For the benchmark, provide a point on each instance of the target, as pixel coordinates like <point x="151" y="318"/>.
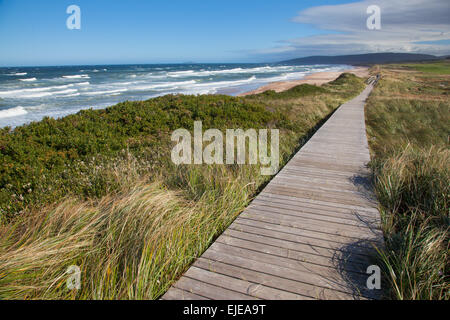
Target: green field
<point x="440" y="67"/>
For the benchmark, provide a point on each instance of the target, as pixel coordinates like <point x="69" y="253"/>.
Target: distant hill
<point x="363" y="59"/>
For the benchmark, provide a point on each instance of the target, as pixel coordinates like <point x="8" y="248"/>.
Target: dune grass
<point x="106" y="197"/>
<point x="129" y="245"/>
<point x="408" y="119"/>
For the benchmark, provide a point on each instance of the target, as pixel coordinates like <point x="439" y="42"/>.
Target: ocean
<point x="31" y="93"/>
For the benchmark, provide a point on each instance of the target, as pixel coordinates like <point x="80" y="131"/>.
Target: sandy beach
<point x="317" y="78"/>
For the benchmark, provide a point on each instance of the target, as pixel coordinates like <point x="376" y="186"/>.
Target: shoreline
<point x="317" y="78"/>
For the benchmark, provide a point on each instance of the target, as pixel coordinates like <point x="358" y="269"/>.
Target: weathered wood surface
<point x="310" y="234"/>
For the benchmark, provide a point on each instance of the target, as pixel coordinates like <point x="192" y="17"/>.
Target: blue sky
<point x="137" y="31"/>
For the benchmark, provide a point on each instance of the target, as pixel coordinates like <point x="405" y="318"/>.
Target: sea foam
<point x="18" y="74"/>
<point x="77" y="76"/>
<point x="28" y="80"/>
<point x="12" y="112"/>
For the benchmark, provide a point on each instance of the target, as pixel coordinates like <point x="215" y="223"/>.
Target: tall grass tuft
<point x="413" y="187"/>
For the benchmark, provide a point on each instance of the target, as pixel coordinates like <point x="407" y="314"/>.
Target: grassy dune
<point x="98" y="190"/>
<point x="408" y="118"/>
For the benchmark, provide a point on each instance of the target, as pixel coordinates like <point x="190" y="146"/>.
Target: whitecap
<point x="12" y="112"/>
<point x="71" y="95"/>
<point x="37" y="92"/>
<point x="160" y="85"/>
<point x="18" y="74"/>
<point x="68" y="91"/>
<point x="28" y="80"/>
<point x="77" y="76"/>
<point x="81" y="83"/>
<point x="109" y="92"/>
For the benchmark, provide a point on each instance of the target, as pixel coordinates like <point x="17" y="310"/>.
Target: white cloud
<point x="404" y="25"/>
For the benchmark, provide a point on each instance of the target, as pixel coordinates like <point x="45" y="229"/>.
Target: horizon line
<point x="212" y="63"/>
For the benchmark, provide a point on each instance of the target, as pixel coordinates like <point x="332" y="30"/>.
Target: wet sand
<point x="317" y="78"/>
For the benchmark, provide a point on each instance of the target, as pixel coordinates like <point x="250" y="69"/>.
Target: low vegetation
<point x="408" y="117"/>
<point x="436" y="67"/>
<point x="98" y="190"/>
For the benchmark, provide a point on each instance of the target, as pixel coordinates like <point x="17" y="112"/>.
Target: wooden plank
<point x="252" y="289"/>
<point x="321" y="225"/>
<point x="318" y="195"/>
<point x="341" y="191"/>
<point x="318" y="216"/>
<point x="351" y="216"/>
<point x="308" y="235"/>
<point x="326" y="205"/>
<point x="297" y="172"/>
<point x="352" y="235"/>
<point x="346" y="186"/>
<point x="178" y="294"/>
<point x="316" y="252"/>
<point x="207" y="290"/>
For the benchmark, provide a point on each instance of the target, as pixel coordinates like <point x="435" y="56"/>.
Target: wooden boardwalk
<point x="308" y="235"/>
